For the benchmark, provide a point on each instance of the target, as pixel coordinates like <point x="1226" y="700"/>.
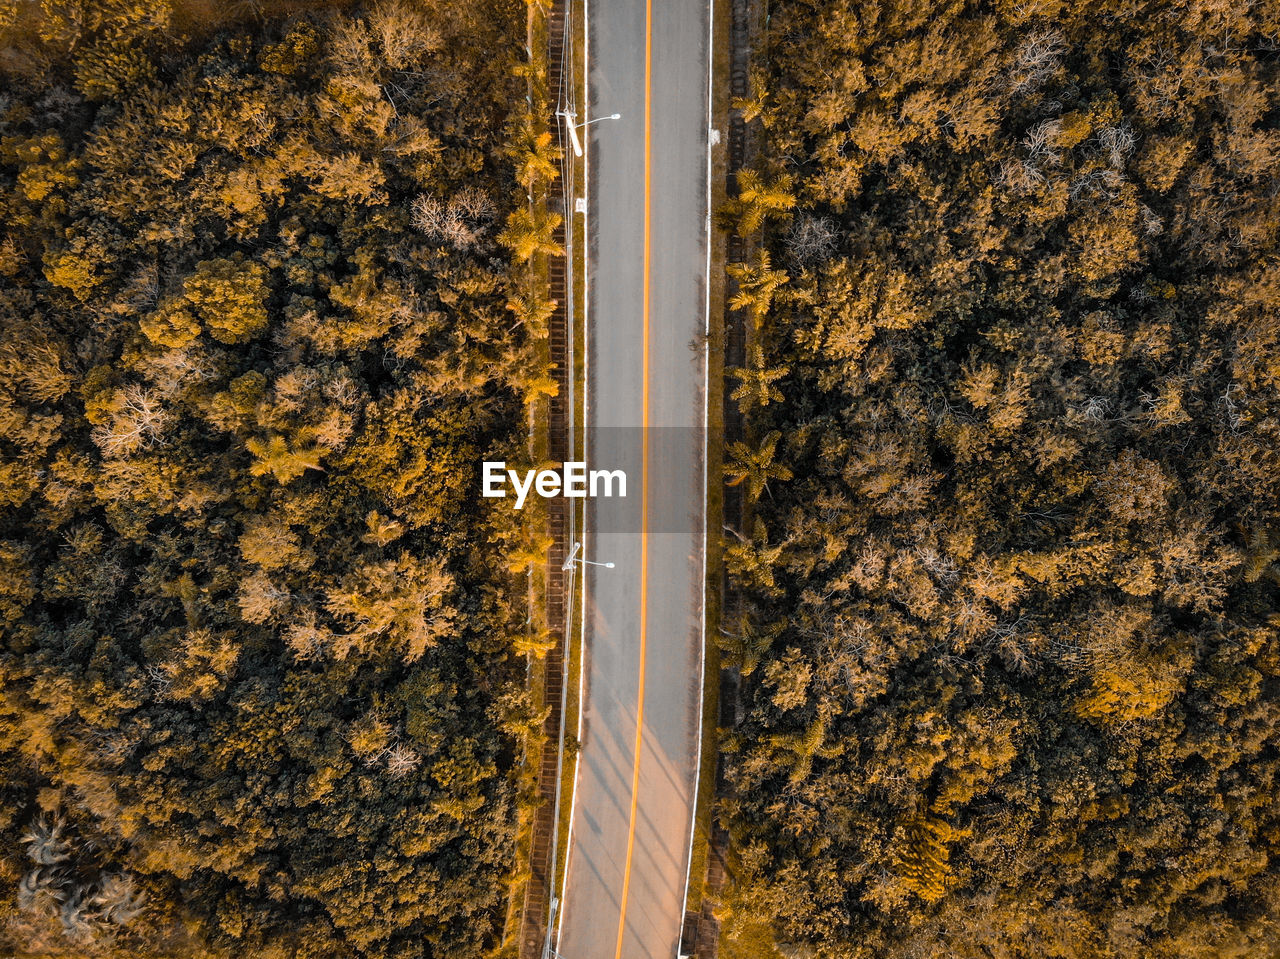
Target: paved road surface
<point x="628" y="859"/>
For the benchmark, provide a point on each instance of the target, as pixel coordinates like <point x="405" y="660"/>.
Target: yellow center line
<point x="644" y="484"/>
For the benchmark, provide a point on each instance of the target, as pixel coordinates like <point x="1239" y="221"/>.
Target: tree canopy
<point x="1009" y="622"/>
<point x="261" y="678"/>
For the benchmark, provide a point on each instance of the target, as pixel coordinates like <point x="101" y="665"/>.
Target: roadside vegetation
<point x="265" y="305"/>
<point x="1010" y="652"/>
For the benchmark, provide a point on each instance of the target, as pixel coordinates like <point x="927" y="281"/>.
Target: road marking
<point x="644" y="481"/>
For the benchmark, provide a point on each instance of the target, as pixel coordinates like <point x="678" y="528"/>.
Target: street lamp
<point x="573" y="558"/>
<point x="575" y="127"/>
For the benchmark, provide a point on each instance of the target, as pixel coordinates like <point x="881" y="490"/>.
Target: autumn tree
<point x="262" y="681"/>
<point x="1007" y="633"/>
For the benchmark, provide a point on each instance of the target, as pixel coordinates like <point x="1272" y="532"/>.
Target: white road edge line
<point x="586" y="399"/>
<point x="706" y="422"/>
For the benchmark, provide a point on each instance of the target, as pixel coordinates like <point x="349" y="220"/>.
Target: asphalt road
<point x="646" y="389"/>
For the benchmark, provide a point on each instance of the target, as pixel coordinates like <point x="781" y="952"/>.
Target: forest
<point x="267" y="296"/>
<point x="1008" y="620"/>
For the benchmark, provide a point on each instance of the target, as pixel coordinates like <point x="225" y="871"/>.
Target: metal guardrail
<point x="701" y="932"/>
